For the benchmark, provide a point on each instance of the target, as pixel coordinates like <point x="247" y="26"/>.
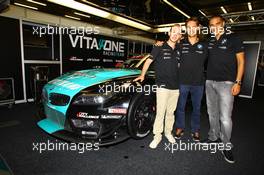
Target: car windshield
<point x="131" y="63"/>
<point x="137" y="63"/>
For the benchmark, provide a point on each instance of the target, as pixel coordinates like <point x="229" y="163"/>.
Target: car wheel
<point x="141" y="115"/>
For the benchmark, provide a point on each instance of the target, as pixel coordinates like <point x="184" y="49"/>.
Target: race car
<point x="103" y="106"/>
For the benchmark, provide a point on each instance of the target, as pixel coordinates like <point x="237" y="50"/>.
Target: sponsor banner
<point x="92" y="51"/>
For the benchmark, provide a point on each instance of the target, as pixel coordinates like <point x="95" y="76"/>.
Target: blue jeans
<point x="196" y="96"/>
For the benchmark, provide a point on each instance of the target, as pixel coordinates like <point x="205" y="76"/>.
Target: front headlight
<point x="92" y="99"/>
<point x="100" y="94"/>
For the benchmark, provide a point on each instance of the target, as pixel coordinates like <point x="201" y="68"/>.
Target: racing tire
<point x="141" y="115"/>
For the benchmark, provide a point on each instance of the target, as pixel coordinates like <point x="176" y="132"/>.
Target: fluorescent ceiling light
<point x="249" y="6"/>
<point x="252" y="17"/>
<point x="161" y="29"/>
<point x="231" y="20"/>
<point x="169" y="25"/>
<point x="36" y="2"/>
<point x="167" y="28"/>
<point x="173" y="6"/>
<point x="72" y="17"/>
<point x="81" y="14"/>
<point x="82" y="7"/>
<point x="223" y="9"/>
<point x="202" y="13"/>
<point x="101" y="13"/>
<point x="27" y="6"/>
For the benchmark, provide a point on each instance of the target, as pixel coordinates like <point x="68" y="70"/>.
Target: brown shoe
<point x="179" y="133"/>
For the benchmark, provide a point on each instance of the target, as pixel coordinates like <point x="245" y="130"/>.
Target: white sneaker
<point x="154" y="143"/>
<point x="170" y="138"/>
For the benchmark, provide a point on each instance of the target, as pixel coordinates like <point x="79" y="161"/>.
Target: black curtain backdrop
<point x="10" y="56"/>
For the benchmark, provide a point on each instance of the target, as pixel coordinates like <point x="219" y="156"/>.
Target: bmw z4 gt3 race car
<point x="100" y="105"/>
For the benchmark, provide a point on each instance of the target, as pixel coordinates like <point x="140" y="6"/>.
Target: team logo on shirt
<point x="199" y="46"/>
<point x="224" y="41"/>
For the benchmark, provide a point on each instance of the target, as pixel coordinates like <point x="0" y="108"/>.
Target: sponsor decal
<point x="73" y="58"/>
<point x="119" y="61"/>
<point x="117" y="110"/>
<point x="199" y="51"/>
<point x="108" y="60"/>
<point x="222" y="47"/>
<point x="85" y="115"/>
<point x="93" y="59"/>
<point x="111" y="116"/>
<point x="212" y="40"/>
<point x="166" y="53"/>
<point x="88" y="133"/>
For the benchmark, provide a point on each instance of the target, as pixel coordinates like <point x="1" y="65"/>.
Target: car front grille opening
<point x="59" y="99"/>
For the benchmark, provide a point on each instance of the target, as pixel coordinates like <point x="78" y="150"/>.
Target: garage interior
<point x="27" y="53"/>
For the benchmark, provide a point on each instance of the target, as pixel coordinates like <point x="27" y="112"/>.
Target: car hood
<point x="73" y="82"/>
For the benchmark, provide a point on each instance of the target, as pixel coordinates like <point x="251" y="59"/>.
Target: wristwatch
<point x="238" y="82"/>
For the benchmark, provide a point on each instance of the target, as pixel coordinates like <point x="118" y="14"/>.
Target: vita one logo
<point x="98" y="44"/>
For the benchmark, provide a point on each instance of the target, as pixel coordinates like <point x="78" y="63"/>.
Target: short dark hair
<point x="195" y="19"/>
<point x="217" y="16"/>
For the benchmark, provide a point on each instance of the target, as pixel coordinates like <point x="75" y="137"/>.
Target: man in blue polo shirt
<point x="193" y="55"/>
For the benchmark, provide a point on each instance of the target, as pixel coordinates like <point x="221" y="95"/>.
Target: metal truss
<point x="253" y="17"/>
